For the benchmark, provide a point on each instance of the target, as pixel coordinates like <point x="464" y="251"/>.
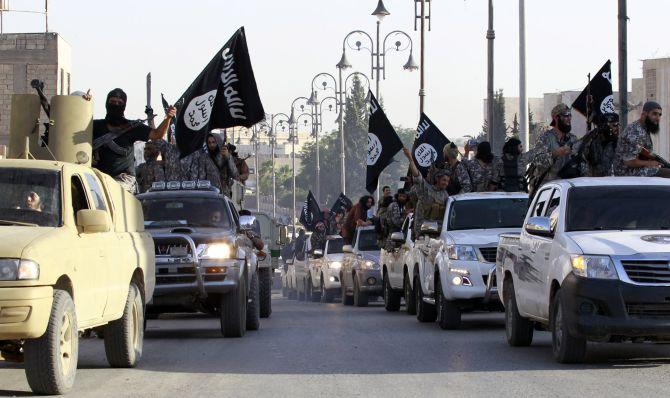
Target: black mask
<point x="650" y="126"/>
<point x="563" y="127"/>
<point x="115" y="114"/>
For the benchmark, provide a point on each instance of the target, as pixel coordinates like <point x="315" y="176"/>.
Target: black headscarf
<point x="511" y="147"/>
<point x="115" y="113"/>
<point x="484" y="152"/>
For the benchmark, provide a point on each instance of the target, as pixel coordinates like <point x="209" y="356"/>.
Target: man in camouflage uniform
<point x="151" y="170"/>
<point x="600" y="145"/>
<point x="201" y="164"/>
<point x="456" y="170"/>
<point x="636" y="137"/>
<point x="395" y="216"/>
<point x="318" y="239"/>
<point x="554" y="147"/>
<point x="481" y="168"/>
<point x="432" y="199"/>
<point x="172" y="165"/>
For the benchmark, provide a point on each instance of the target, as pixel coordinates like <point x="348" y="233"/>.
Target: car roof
<point x="612" y="181"/>
<point x="490" y="195"/>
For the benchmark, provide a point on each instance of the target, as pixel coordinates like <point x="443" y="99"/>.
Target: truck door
<point x="530" y="260"/>
<point x="396" y="273"/>
<point x="543" y="256"/>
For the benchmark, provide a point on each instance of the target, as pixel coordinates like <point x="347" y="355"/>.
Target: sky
<point x="115" y="44"/>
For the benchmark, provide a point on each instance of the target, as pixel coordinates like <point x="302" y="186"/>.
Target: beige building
<point x="655" y="86"/>
<point x="28" y="56"/>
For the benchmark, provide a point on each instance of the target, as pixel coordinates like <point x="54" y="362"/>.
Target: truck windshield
<point x="30" y="197"/>
<point x="335" y="246"/>
<point x="616" y="208"/>
<point x="487" y="214"/>
<point x="187" y="212"/>
<point x="367" y="240"/>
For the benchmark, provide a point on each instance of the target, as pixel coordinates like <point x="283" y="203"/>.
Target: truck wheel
<point x="326" y="295"/>
<point x="302" y="296"/>
<point x="424" y="312"/>
<point x="234" y="310"/>
<point x="519" y="330"/>
<point x="391" y="298"/>
<point x="346" y="300"/>
<point x="567" y="348"/>
<point x="360" y="298"/>
<point x="124" y="337"/>
<point x="410" y="297"/>
<point x="314" y="296"/>
<point x="448" y="312"/>
<point x="51" y="360"/>
<point x="265" y="292"/>
<point x="253" y="305"/>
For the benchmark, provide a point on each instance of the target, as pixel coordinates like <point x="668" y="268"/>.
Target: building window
<point x="62" y="81"/>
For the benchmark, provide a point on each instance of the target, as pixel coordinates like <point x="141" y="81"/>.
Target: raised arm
<point x="160" y="131"/>
<point x="412" y="167"/>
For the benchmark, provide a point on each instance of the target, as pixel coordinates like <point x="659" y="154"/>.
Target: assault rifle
<point x="38" y="85"/>
<point x="646" y="154"/>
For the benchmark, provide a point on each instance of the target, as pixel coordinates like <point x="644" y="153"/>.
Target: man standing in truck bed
<point x="114" y="137"/>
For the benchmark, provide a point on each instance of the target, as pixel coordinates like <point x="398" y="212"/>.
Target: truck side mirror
<point x="539" y="226"/>
<point x="318" y="253"/>
<point x="398" y="237"/>
<point x="93" y="221"/>
<point x="348" y="249"/>
<point x="247" y="223"/>
<point x="430" y="228"/>
<point x="283" y="235"/>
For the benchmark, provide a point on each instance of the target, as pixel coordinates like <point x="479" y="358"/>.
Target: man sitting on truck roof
<point x="114" y="138"/>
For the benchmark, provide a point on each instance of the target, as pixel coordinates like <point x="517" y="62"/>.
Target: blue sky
<point x="115" y="43"/>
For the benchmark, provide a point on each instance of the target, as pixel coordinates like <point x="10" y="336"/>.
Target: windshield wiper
<point x="23" y="224"/>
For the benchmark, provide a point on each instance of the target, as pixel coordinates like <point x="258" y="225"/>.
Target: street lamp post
<point x="254" y="139"/>
<point x="490" y="36"/>
<point x="292" y="127"/>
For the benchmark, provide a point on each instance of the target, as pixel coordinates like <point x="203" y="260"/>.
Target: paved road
<point x="311" y="349"/>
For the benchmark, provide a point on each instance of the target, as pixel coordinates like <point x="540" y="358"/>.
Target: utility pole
<point x="257" y="171"/>
<point x="273" y="142"/>
<point x="422" y="63"/>
<point x="623" y="64"/>
<point x="524" y="131"/>
<point x="490" y="36"/>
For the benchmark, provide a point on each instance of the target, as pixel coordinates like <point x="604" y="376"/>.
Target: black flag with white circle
<point x="311" y="212"/>
<point x="223" y="95"/>
<point x="601" y="92"/>
<point x="428" y="145"/>
<point x="342" y="203"/>
<point x="383" y="144"/>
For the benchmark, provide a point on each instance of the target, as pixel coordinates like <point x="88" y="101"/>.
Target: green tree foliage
<point x="284" y="184"/>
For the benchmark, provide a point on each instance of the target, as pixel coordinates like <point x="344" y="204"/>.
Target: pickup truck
<point x="360" y="276"/>
<point x="325" y="269"/>
<point x="297" y="270"/>
<point x="274" y="235"/>
<point x="592" y="263"/>
<point x="205" y="262"/>
<point x="74" y="258"/>
<point x="396" y="282"/>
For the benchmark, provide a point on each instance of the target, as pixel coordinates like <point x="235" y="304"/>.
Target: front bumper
<point x="24" y="311"/>
<point x="370" y="281"/>
<point x="604" y="310"/>
<point x="331" y="279"/>
<point x="479" y="285"/>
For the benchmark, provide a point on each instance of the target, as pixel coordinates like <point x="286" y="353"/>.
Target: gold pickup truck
<point x="74" y="257"/>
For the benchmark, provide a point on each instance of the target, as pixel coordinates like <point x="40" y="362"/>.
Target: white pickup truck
<point x="325" y="270"/>
<point x="453" y="273"/>
<point x="592" y="263"/>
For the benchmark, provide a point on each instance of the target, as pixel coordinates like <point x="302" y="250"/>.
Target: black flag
<point x="311" y="213"/>
<point x="383" y="144"/>
<point x="223" y="95"/>
<point x="342" y="202"/>
<point x="428" y="145"/>
<point x="601" y="92"/>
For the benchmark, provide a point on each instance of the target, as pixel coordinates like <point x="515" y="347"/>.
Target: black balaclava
<point x="484" y="152"/>
<point x="115" y="113"/>
<point x="511" y="147"/>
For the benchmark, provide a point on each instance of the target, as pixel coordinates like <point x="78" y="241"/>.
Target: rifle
<point x="646" y="154"/>
<point x="148" y="110"/>
<point x="38" y="85"/>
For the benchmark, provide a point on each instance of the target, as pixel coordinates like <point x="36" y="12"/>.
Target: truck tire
<point x="312" y="295"/>
<point x="234" y="310"/>
<point x="254" y="305"/>
<point x="124" y="337"/>
<point x="51" y="360"/>
<point x="326" y="295"/>
<point x="518" y="329"/>
<point x="302" y="296"/>
<point x="391" y="297"/>
<point x="448" y="312"/>
<point x="410" y="297"/>
<point x="360" y="298"/>
<point x="346" y="300"/>
<point x="566" y="347"/>
<point x="424" y="312"/>
<point x="265" y="292"/>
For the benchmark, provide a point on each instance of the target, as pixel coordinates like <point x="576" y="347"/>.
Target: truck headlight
<point x="598" y="267"/>
<point x="369" y="264"/>
<point x="215" y="251"/>
<point x="335" y="265"/>
<point x="461" y="252"/>
<point x="18" y="270"/>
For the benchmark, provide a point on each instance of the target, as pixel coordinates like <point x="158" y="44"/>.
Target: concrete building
<point x="28" y="56"/>
<point x="655" y="86"/>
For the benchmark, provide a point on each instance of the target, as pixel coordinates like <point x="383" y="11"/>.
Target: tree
<point x="514" y="131"/>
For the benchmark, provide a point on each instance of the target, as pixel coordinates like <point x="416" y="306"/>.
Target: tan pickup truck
<point x="74" y="257"/>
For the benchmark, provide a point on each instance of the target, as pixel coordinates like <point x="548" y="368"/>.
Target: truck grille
<point x="647" y="310"/>
<point x="489" y="253"/>
<point x="174" y="261"/>
<point x="647" y="271"/>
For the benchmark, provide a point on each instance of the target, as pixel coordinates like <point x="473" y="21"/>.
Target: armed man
<point x="599" y="145"/>
<point x="151" y="170"/>
<point x="114" y="138"/>
<point x="432" y="199"/>
<point x="635" y="149"/>
<point x="459" y="178"/>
